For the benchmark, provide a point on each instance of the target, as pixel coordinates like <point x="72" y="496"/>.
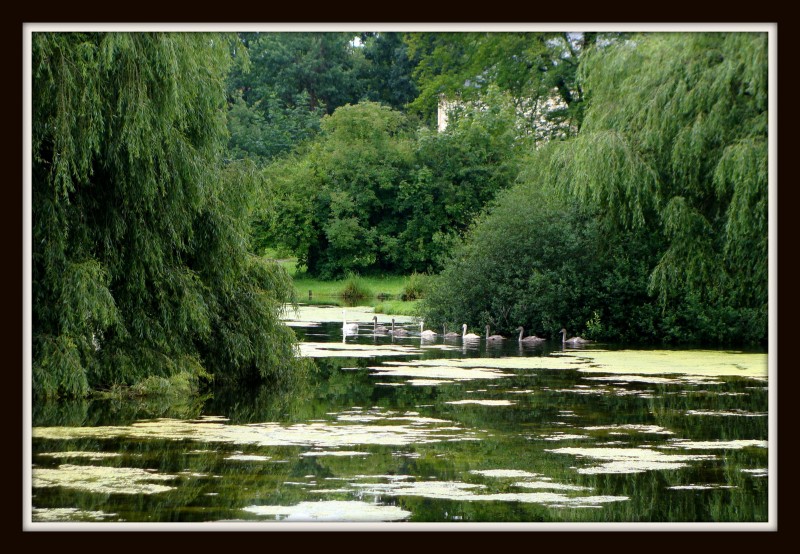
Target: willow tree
<point x="670" y="170"/>
<point x="674" y="143"/>
<point x="140" y="235"/>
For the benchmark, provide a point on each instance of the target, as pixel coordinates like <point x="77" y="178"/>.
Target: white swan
<point x="468" y="336"/>
<point x="427" y="333"/>
<point x="493" y="338"/>
<point x="573" y="340"/>
<point x="378" y="329"/>
<point x="399" y="332"/>
<point x="529" y="339"/>
<point x="348" y="327"/>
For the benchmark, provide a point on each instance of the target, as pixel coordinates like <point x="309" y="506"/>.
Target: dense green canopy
<point x="140" y="234"/>
<point x="670" y="173"/>
<point x="370" y="194"/>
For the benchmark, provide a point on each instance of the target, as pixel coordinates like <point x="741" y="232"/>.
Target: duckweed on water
<point x="629" y="460"/>
<point x="332" y="511"/>
<point x="500" y="473"/>
<point x="740" y="413"/>
<point x="713" y="445"/>
<point x="564" y="437"/>
<point x="352" y="350"/>
<point x="454" y="490"/>
<point x="249" y="458"/>
<point x="415" y="430"/>
<point x="434" y="371"/>
<point x="483" y="402"/>
<point x="89" y="455"/>
<point x="702" y="364"/>
<point x="69" y="514"/>
<point x="335" y="453"/>
<point x="99" y="479"/>
<point x="653" y="429"/>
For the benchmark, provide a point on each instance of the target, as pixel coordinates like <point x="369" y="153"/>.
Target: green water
<point x="437" y="431"/>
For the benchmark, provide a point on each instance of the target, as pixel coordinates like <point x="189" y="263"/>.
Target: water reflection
<point x="412" y="429"/>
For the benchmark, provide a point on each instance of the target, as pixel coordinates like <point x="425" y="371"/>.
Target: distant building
<point x="535" y="117"/>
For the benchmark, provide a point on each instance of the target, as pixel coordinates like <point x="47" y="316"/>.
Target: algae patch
<point x="726" y="413"/>
<point x="100" y="479"/>
<point x="353" y="350"/>
<point x="714" y="445"/>
<point x="248" y="458"/>
<point x="80" y="454"/>
<point x="483" y="402"/>
<point x="706" y="363"/>
<point x="450" y="490"/>
<point x="629" y="460"/>
<point x="380" y="429"/>
<point x="332" y="511"/>
<point x="51" y="515"/>
<point x="512" y="473"/>
<point x="436" y="371"/>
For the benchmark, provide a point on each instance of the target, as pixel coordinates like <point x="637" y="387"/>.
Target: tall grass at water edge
<point x="389" y="294"/>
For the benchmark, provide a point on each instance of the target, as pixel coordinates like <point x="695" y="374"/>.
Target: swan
<point x="427" y="333"/>
<point x="529" y="339"/>
<point x="493" y="338"/>
<point x="378" y="329"/>
<point x="573" y="340"/>
<point x="451" y="334"/>
<point x="348" y="327"/>
<point x="399" y="332"/>
<point x="468" y="336"/>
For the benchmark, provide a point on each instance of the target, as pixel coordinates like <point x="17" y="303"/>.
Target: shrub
<point x="415" y="286"/>
<point x="355" y="288"/>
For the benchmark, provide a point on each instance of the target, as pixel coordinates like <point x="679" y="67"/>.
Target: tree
<point x="368" y="195"/>
<point x="387" y="70"/>
<point x="292" y="80"/>
<point x="670" y="172"/>
<point x="531" y="259"/>
<point x="140" y="260"/>
<point x="536" y="69"/>
<point x="458" y="172"/>
<point x="337" y="198"/>
<point x="676" y="143"/>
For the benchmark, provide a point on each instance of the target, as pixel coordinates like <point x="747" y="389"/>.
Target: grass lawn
<point x="384" y="292"/>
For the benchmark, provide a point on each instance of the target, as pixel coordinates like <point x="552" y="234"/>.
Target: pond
<point x="398" y="432"/>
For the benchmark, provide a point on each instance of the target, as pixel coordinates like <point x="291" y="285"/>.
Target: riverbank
<point x="388" y="294"/>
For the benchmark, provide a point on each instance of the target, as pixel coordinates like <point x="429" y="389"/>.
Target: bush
<point x="415" y="286"/>
<point x="355" y="288"/>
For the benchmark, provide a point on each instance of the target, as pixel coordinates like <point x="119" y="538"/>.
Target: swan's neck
<point x="521" y="331"/>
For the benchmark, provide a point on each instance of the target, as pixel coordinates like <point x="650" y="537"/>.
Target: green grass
<point x="398" y="307"/>
<point x="382" y="291"/>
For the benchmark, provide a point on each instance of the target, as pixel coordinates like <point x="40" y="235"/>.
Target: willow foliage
<point x="669" y="177"/>
<point x="140" y="236"/>
<point x="675" y="144"/>
<point x="692" y="110"/>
